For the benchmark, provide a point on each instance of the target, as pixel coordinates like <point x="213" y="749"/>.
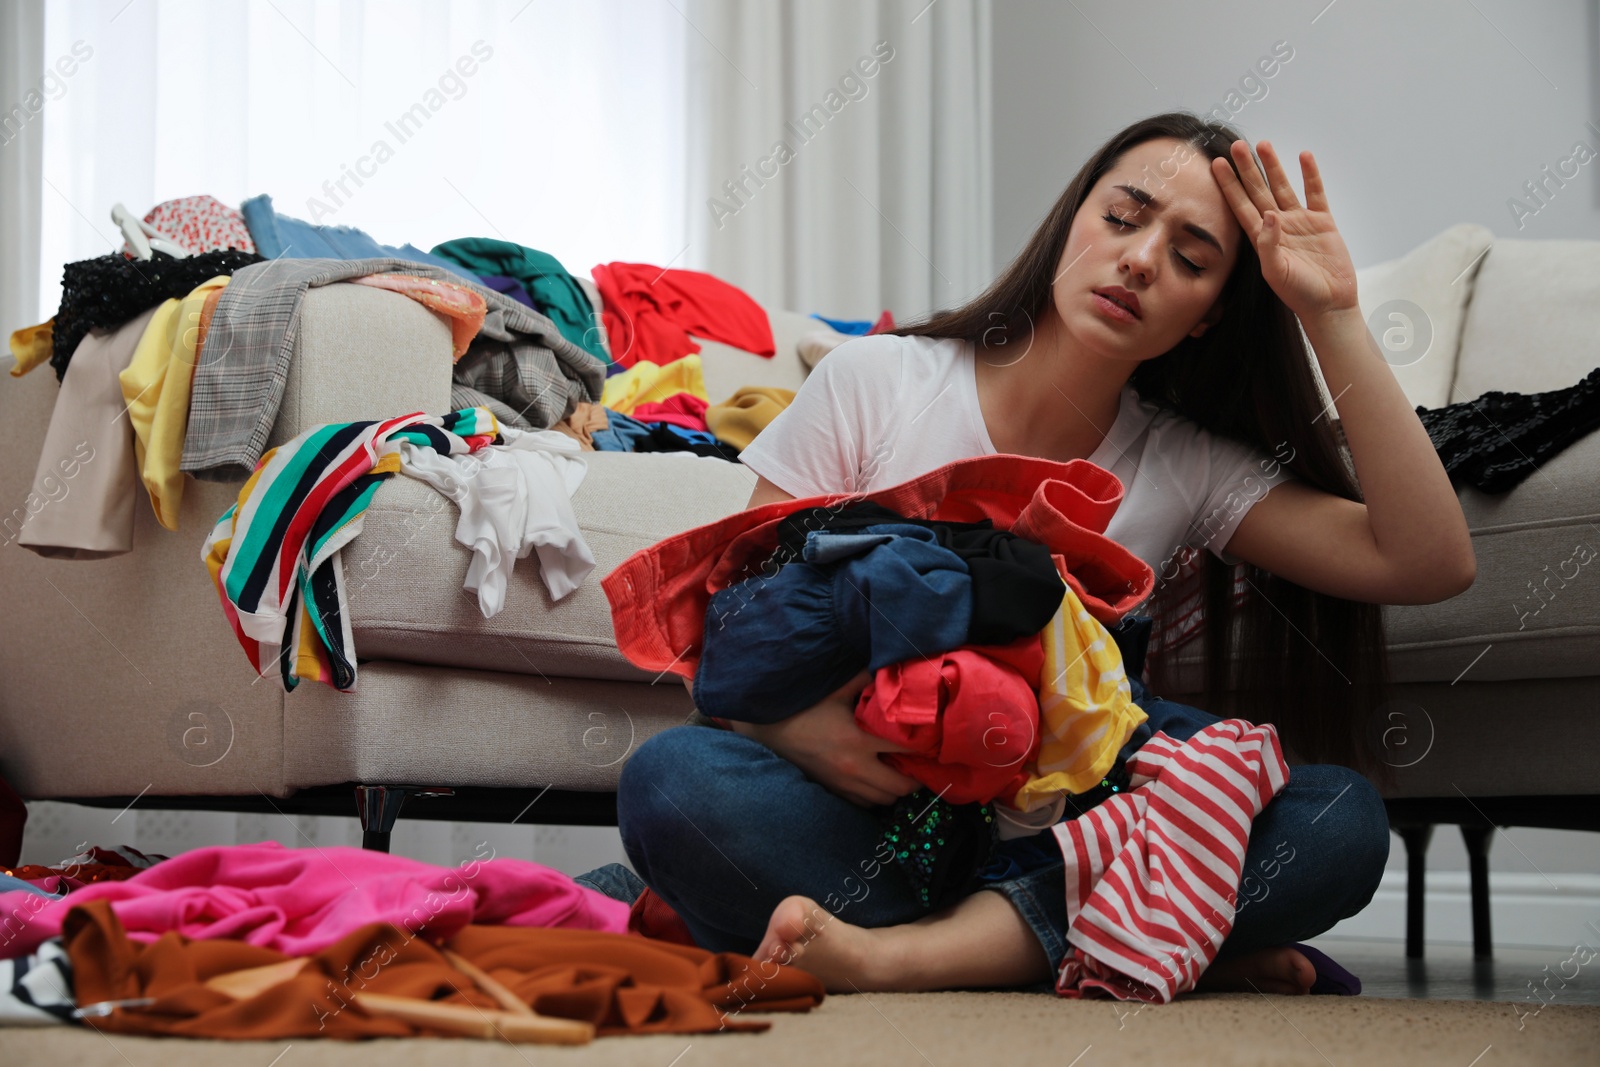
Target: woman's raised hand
<point x="1303" y="258"/>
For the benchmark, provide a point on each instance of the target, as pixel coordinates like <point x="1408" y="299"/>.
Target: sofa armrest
<point x="363" y="353"/>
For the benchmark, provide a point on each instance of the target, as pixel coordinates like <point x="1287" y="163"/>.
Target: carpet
<point x="947" y="1029"/>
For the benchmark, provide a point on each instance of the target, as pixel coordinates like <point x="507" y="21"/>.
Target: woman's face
<point x="1167" y="250"/>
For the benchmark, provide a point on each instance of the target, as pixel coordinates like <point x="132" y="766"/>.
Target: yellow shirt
<point x="644" y="383"/>
<point x="156" y="388"/>
<point x="1086" y="709"/>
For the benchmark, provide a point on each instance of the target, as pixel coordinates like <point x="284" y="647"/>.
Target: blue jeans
<point x="723" y="829"/>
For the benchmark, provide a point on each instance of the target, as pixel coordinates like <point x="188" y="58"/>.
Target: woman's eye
<point x="1194" y="268"/>
<point x="1117" y="220"/>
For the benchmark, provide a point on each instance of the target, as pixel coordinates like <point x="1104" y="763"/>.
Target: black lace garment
<point x="107" y="291"/>
<point x="1496" y="441"/>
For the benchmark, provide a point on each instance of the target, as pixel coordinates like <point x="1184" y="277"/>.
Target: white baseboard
<point x="1526" y="910"/>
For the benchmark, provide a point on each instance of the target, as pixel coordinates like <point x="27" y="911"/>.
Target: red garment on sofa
<point x="649" y="313"/>
<point x="681" y="409"/>
<point x="300" y="901"/>
<point x="659" y="595"/>
<point x="971" y="716"/>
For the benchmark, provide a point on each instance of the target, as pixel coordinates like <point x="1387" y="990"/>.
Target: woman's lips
<point x="1113" y="310"/>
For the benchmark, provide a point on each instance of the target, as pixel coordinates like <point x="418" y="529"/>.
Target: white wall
<point x="1421" y="114"/>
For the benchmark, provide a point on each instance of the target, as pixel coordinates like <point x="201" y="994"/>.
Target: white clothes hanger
<point x="144" y="238"/>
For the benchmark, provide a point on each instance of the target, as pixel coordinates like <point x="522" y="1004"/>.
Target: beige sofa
<point x="119" y="678"/>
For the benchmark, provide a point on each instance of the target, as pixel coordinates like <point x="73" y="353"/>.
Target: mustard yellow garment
<point x="31" y="346"/>
<point x="156" y="387"/>
<point x="644" y="383"/>
<point x="1086" y="710"/>
<point x="746" y="413"/>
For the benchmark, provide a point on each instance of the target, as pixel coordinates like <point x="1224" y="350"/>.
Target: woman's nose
<point x="1139" y="258"/>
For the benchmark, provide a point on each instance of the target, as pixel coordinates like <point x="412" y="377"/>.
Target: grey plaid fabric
<point x="518" y="358"/>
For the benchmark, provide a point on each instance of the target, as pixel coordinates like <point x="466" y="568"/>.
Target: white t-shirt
<point x="883" y="409"/>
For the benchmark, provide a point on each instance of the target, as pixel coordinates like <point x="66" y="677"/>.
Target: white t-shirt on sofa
<point x="883" y="409"/>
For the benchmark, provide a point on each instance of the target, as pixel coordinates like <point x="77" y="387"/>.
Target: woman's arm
<point x="1408" y="543"/>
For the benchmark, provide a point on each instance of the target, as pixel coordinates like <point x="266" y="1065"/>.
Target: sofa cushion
<point x="404" y="572"/>
<point x="407" y="724"/>
<point x="1436" y="277"/>
<point x="1536" y="599"/>
<point x="1534" y="318"/>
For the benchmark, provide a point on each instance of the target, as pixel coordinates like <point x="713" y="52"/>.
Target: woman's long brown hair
<point x="1313" y="664"/>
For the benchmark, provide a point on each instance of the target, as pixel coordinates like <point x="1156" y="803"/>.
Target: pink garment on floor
<point x="681" y="409"/>
<point x="200" y="224"/>
<point x="970" y="715"/>
<point x="463" y="308"/>
<point x="1152" y="873"/>
<point x="300" y="901"/>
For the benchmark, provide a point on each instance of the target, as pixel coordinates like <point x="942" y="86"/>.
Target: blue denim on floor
<point x="10" y="884"/>
<point x="723" y="829"/>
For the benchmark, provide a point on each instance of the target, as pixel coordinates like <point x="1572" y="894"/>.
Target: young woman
<point x="1149" y="326"/>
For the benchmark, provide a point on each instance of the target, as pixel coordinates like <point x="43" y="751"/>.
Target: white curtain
<point x="881" y="194"/>
<point x="552" y="124"/>
<point x="27" y="89"/>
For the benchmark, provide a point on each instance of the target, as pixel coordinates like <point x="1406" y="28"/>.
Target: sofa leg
<point x="378" y="806"/>
<point x="1416" y="838"/>
<point x="1477" y="839"/>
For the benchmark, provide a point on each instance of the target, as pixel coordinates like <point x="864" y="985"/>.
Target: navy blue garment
<point x="779" y="643"/>
<point x="670" y="437"/>
<point x="509" y="287"/>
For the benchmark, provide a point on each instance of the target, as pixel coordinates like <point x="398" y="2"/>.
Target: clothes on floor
<point x="746" y="413"/>
<point x="555" y="292"/>
<point x="649" y="313"/>
<point x="96" y="864"/>
<point x="281" y="237"/>
<point x="156" y="386"/>
<point x="107" y="291"/>
<point x="1495" y="442"/>
<point x="515" y="499"/>
<point x="642" y="383"/>
<point x="274" y="555"/>
<point x="882" y="410"/>
<point x="459" y="306"/>
<point x="665" y="437"/>
<point x="777" y="644"/>
<point x="684" y="410"/>
<point x="87" y="482"/>
<point x="199" y="224"/>
<point x="617" y="983"/>
<point x="37" y="989"/>
<point x="970" y="718"/>
<point x="1151" y="873"/>
<point x="518" y="358"/>
<point x="659" y="595"/>
<point x="300" y="901"/>
<point x="1016" y="589"/>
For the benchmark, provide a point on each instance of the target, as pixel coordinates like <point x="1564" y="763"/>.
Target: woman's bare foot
<point x="845" y="958"/>
<point x="1271" y="970"/>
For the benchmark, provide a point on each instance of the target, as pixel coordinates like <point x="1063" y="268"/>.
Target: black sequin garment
<point x="1494" y="442"/>
<point x="940" y="846"/>
<point x="105" y="292"/>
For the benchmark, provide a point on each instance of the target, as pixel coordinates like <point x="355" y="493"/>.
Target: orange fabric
<point x="620" y="983"/>
<point x="464" y="308"/>
<point x="659" y="594"/>
<point x="585" y="421"/>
